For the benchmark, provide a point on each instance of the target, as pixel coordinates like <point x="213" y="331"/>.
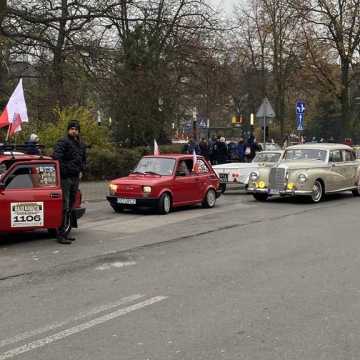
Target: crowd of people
<point x="218" y="151"/>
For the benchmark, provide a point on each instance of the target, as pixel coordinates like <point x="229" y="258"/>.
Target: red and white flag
<point x="194" y="161"/>
<point x="156" y="148"/>
<point x="15" y="112"/>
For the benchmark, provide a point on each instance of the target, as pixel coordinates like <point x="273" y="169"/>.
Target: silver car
<point x="311" y="170"/>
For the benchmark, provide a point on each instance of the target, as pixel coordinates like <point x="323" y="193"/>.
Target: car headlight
<point x="253" y="176"/>
<point x="147" y="189"/>
<point x="302" y="178"/>
<point x="113" y="188"/>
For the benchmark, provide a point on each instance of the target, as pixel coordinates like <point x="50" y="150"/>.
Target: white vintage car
<point x="239" y="172"/>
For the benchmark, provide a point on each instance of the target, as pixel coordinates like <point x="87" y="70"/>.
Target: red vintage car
<point x="164" y="182"/>
<point x="31" y="195"/>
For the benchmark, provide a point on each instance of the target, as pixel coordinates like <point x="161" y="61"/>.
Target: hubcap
<point x="167" y="203"/>
<point x="211" y="198"/>
<point x="317" y="192"/>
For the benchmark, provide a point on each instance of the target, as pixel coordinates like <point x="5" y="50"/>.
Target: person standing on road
<point x="71" y="153"/>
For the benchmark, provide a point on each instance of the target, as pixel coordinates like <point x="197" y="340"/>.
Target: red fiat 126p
<point x="30" y="193"/>
<point x="164" y="182"/>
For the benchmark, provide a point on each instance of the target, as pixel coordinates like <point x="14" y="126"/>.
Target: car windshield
<point x="266" y="157"/>
<point x="154" y="165"/>
<point x="305" y="154"/>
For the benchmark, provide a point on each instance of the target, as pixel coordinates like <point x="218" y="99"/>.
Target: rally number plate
<point x="223" y="177"/>
<point x="126" y="201"/>
<point x="274" y="192"/>
<point x="27" y="214"/>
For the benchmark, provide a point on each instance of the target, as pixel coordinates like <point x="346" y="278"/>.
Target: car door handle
<point x="55" y="195"/>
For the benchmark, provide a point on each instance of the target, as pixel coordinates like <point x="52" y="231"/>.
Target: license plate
<point x="274" y="192"/>
<point x="126" y="201"/>
<point x="223" y="177"/>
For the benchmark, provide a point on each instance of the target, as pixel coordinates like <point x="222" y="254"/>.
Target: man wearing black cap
<point x="70" y="152"/>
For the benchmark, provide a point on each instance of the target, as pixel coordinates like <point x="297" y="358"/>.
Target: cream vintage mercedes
<point x="311" y="170"/>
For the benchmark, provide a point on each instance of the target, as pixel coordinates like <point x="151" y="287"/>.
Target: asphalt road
<point x="245" y="280"/>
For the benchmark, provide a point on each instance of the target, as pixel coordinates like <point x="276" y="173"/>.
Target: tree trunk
<point x="345" y="99"/>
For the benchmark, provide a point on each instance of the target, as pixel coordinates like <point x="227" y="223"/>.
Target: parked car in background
<point x="31" y="194"/>
<point x="311" y="170"/>
<point x="238" y="172"/>
<point x="164" y="182"/>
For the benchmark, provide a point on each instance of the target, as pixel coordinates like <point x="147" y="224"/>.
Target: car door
<point x="351" y="167"/>
<point x="185" y="185"/>
<point x="31" y="197"/>
<point x="337" y="170"/>
<point x="202" y="175"/>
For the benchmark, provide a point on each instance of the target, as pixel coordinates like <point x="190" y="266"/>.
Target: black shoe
<point x="70" y="238"/>
<point x="63" y="240"/>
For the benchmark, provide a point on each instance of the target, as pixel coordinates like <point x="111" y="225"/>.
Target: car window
<point x="349" y="155"/>
<point x="305" y="154"/>
<point x="32" y="176"/>
<point x="335" y="156"/>
<point x="201" y="167"/>
<point x="184" y="168"/>
<point x="266" y="157"/>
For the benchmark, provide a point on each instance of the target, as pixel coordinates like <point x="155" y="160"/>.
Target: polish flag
<point x="156" y="148"/>
<point x="194" y="161"/>
<point x="15" y="112"/>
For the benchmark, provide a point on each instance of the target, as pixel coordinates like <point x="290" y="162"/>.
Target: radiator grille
<point x="277" y="178"/>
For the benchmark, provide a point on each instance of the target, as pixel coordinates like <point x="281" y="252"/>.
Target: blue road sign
<point x="202" y="124"/>
<point x="188" y="125"/>
<point x="300" y="107"/>
<point x="300" y="121"/>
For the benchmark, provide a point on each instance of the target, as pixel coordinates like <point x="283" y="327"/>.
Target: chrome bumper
<point x="281" y="192"/>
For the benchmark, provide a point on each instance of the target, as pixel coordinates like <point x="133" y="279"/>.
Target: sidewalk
<point x="94" y="190"/>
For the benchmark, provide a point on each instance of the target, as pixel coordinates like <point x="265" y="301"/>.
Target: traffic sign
<point x="300" y="107"/>
<point x="265" y="109"/>
<point x="300" y="121"/>
<point x="202" y="124"/>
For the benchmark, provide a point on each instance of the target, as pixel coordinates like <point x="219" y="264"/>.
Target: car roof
<point x="277" y="151"/>
<point x="320" y="146"/>
<point x="173" y="156"/>
<point x="21" y="157"/>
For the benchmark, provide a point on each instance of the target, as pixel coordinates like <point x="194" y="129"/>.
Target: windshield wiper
<point x="151" y="173"/>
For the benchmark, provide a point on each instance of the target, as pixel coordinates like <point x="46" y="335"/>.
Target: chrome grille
<point x="277" y="178"/>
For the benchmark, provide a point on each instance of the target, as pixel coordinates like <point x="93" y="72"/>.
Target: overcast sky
<point x="227" y="5"/>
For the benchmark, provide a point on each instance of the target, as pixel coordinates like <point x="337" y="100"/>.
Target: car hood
<point x="235" y="166"/>
<point x="300" y="164"/>
<point x="141" y="180"/>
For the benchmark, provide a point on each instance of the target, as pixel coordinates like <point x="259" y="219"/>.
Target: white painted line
<point x="76" y="329"/>
<point x="115" y="265"/>
<point x="57" y="325"/>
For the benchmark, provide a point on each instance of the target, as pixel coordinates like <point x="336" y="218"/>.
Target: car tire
<point x="53" y="232"/>
<point x="261" y="197"/>
<point x="317" y="193"/>
<point x="209" y="199"/>
<point x="222" y="188"/>
<point x="165" y="204"/>
<point x="117" y="208"/>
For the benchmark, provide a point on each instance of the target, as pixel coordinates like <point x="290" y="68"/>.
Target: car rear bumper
<point x="141" y="202"/>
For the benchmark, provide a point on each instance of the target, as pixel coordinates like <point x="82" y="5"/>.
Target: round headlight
<point x="302" y="178"/>
<point x="147" y="189"/>
<point x="254" y="176"/>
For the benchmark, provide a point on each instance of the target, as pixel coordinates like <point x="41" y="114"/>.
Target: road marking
<point x="57" y="325"/>
<point x="117" y="265"/>
<point x="76" y="329"/>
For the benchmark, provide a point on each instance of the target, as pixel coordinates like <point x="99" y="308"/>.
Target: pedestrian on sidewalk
<point x="71" y="153"/>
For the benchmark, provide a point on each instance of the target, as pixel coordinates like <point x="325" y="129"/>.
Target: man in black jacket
<point x="70" y="152"/>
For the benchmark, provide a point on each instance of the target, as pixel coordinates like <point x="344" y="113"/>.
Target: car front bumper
<point x="140" y="202"/>
<point x="284" y="192"/>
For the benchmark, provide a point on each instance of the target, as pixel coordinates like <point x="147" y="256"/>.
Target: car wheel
<point x="222" y="188"/>
<point x="261" y="197"/>
<point x="165" y="203"/>
<point x="52" y="232"/>
<point x="317" y="193"/>
<point x="117" y="208"/>
<point x="210" y="199"/>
